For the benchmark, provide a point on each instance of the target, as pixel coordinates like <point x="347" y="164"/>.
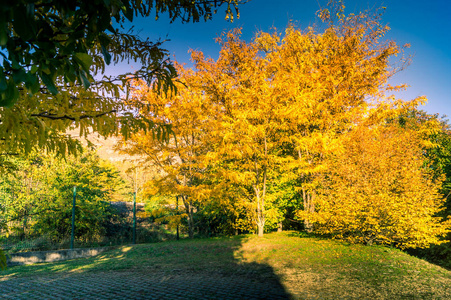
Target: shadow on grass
<point x="439" y="255"/>
<point x="310" y="235"/>
<point x="191" y="269"/>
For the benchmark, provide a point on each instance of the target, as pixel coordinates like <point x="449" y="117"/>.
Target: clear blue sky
<point x="426" y="25"/>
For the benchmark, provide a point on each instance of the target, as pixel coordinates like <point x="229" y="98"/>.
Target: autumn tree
<point x="287" y="98"/>
<point x="247" y="131"/>
<point x="286" y="109"/>
<point x="438" y="158"/>
<point x="178" y="158"/>
<point x="379" y="190"/>
<point x="338" y="73"/>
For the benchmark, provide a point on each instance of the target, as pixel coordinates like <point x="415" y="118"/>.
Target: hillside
<point x="104" y="147"/>
<point x="302" y="267"/>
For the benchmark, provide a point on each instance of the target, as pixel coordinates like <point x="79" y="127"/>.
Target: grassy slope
<point x="307" y="267"/>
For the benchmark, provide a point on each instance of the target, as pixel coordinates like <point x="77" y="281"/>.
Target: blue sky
<point x="426" y="25"/>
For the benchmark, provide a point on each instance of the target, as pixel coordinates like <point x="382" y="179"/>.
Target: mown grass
<point x="308" y="268"/>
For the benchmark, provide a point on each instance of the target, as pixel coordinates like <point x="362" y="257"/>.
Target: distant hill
<point x="104" y="147"/>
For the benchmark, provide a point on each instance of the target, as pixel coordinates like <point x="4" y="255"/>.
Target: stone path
<point x="140" y="285"/>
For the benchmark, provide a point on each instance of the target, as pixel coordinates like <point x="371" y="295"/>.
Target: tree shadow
<point x="439" y="255"/>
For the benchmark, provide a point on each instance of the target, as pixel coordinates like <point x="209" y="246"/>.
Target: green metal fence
<point x="123" y="229"/>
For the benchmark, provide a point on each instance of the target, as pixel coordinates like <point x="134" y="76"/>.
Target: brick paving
<point x="140" y="285"/>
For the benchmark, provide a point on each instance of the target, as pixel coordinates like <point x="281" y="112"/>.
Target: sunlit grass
<point x="310" y="267"/>
<point x="307" y="267"/>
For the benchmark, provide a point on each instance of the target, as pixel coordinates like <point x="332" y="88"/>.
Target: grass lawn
<point x="308" y="268"/>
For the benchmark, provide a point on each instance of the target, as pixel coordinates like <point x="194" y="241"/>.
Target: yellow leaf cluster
<point x="379" y="191"/>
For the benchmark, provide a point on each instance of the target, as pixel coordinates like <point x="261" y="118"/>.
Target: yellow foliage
<point x="180" y="159"/>
<point x="379" y="190"/>
<point x="306" y="107"/>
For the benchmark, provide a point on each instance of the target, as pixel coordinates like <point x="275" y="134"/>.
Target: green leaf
<point x="32" y="83"/>
<point x="12" y="93"/>
<point x="3" y="101"/>
<point x="30" y="11"/>
<point x="3" y="35"/>
<point x="111" y="29"/>
<point x="3" y="83"/>
<point x="14" y="62"/>
<point x="49" y="83"/>
<point x="34" y="69"/>
<point x="4" y="28"/>
<point x="10" y="96"/>
<point x="70" y="74"/>
<point x="84" y="59"/>
<point x="84" y="80"/>
<point x="128" y="11"/>
<point x="104" y="42"/>
<point x="106" y="55"/>
<point x="20" y="76"/>
<point x="23" y="23"/>
<point x="45" y="69"/>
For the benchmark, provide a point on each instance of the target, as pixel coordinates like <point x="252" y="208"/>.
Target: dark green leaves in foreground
<point x="42" y="40"/>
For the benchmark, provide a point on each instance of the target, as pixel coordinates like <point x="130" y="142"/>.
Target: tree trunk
<point x="279" y="227"/>
<point x="308" y="226"/>
<point x="190" y="222"/>
<point x="260" y="195"/>
<point x="260" y="229"/>
<point x="189" y="212"/>
<point x="24" y="227"/>
<point x="260" y="220"/>
<point x="309" y="206"/>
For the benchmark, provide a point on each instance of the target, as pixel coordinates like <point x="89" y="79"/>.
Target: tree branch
<point x="66" y="117"/>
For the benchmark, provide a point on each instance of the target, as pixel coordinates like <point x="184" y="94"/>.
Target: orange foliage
<point x="305" y="108"/>
<point x="178" y="159"/>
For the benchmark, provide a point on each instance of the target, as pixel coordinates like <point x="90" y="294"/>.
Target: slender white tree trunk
<point x="309" y="206"/>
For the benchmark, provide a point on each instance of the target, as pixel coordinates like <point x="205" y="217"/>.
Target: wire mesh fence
<point x="117" y="229"/>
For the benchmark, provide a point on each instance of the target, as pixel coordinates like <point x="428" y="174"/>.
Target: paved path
<point x="140" y="285"/>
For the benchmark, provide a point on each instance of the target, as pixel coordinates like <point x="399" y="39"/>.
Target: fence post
<point x="134" y="218"/>
<point x="72" y="236"/>
<point x="177" y="212"/>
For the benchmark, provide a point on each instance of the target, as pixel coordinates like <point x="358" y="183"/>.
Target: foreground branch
<point x="66" y="117"/>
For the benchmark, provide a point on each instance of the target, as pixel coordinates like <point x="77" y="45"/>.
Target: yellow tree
<point x="326" y="80"/>
<point x="246" y="129"/>
<point x="287" y="99"/>
<point x="178" y="158"/>
<point x="379" y="189"/>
